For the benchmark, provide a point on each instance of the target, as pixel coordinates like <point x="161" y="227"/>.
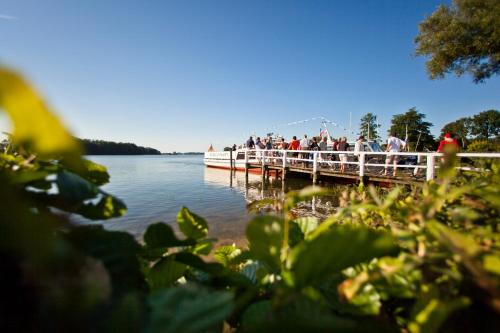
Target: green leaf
<point x="34" y="125"/>
<point x="165" y="272"/>
<point x="74" y="189"/>
<point x="194" y="261"/>
<point x="192" y="225"/>
<point x="161" y="235"/>
<point x="430" y="312"/>
<point x="95" y="173"/>
<point x="226" y="254"/>
<point x="256" y="315"/>
<point x="203" y="247"/>
<point x="265" y="235"/>
<point x="106" y="207"/>
<point x="338" y="247"/>
<point x="491" y="263"/>
<point x="455" y="241"/>
<point x="189" y="309"/>
<point x="302" y="315"/>
<point x="307" y="224"/>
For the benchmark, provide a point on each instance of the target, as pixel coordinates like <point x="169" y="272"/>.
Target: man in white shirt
<point x="394" y="144"/>
<point x="304" y="145"/>
<point x="358" y="146"/>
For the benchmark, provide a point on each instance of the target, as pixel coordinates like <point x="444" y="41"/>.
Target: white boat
<point x="226" y="159"/>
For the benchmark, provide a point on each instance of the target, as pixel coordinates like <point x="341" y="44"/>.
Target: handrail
<point x="262" y="156"/>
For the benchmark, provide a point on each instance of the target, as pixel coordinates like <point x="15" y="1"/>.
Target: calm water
<point x="156" y="187"/>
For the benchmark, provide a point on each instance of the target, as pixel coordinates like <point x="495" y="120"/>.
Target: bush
<point x="482" y="146"/>
<point x="427" y="260"/>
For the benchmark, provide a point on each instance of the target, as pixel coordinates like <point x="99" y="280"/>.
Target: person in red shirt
<point x="448" y="144"/>
<point x="294" y="145"/>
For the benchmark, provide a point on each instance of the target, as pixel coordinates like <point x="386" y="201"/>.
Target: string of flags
<point x="323" y="120"/>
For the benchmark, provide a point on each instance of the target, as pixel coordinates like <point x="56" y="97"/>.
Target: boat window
<point x="240" y="156"/>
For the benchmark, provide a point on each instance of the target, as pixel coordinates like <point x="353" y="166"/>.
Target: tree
<point x="464" y="37"/>
<point x="413" y="123"/>
<point x="369" y="127"/>
<point x="459" y="129"/>
<point x="486" y="124"/>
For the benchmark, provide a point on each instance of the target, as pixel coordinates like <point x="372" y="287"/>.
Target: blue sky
<point x="179" y="75"/>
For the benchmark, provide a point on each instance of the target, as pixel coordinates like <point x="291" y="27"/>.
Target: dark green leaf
<point x="165" y="272"/>
<point x="161" y="235"/>
<point x="335" y="249"/>
<point x="191" y="225"/>
<point x="189" y="309"/>
<point x="265" y="236"/>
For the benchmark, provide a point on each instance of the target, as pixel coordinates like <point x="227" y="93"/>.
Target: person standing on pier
<point x="304" y="145"/>
<point x="342" y="146"/>
<point x="294" y="145"/>
<point x="323" y="146"/>
<point x="269" y="146"/>
<point x="448" y="146"/>
<point x="258" y="147"/>
<point x="358" y="146"/>
<point x="394" y="144"/>
<point x="250" y="144"/>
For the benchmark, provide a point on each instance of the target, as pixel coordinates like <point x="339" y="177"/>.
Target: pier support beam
<point x="315" y="168"/>
<point x="246" y="165"/>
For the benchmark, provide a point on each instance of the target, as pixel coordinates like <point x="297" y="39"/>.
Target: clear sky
<point x="179" y="75"/>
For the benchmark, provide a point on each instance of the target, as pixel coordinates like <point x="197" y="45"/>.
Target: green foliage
<point x="368" y="127"/>
<point x="419" y="260"/>
<point x="462" y="38"/>
<point x="483" y="146"/>
<point x="413" y="123"/>
<point x="481" y="129"/>
<point x="486" y="124"/>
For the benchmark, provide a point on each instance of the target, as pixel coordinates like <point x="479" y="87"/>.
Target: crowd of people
<point x="320" y="143"/>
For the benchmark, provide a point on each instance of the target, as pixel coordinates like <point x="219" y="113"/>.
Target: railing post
<point x="284" y="159"/>
<point x="315" y="166"/>
<point x="361" y="165"/>
<point x="246" y="164"/>
<point x="430" y="167"/>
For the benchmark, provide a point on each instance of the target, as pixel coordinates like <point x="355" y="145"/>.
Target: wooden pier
<point x="365" y="167"/>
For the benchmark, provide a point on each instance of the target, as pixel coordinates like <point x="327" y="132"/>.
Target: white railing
<point x="363" y="162"/>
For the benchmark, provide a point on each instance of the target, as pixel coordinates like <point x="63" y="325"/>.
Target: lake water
<point x="156" y="187"/>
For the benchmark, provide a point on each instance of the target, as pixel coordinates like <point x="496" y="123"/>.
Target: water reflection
<point x="256" y="188"/>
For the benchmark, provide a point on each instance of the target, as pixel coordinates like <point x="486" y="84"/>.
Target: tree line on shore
<point x="479" y="132"/>
<point x="101" y="147"/>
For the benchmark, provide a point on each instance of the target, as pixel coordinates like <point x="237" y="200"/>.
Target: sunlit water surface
<point x="156" y="187"/>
